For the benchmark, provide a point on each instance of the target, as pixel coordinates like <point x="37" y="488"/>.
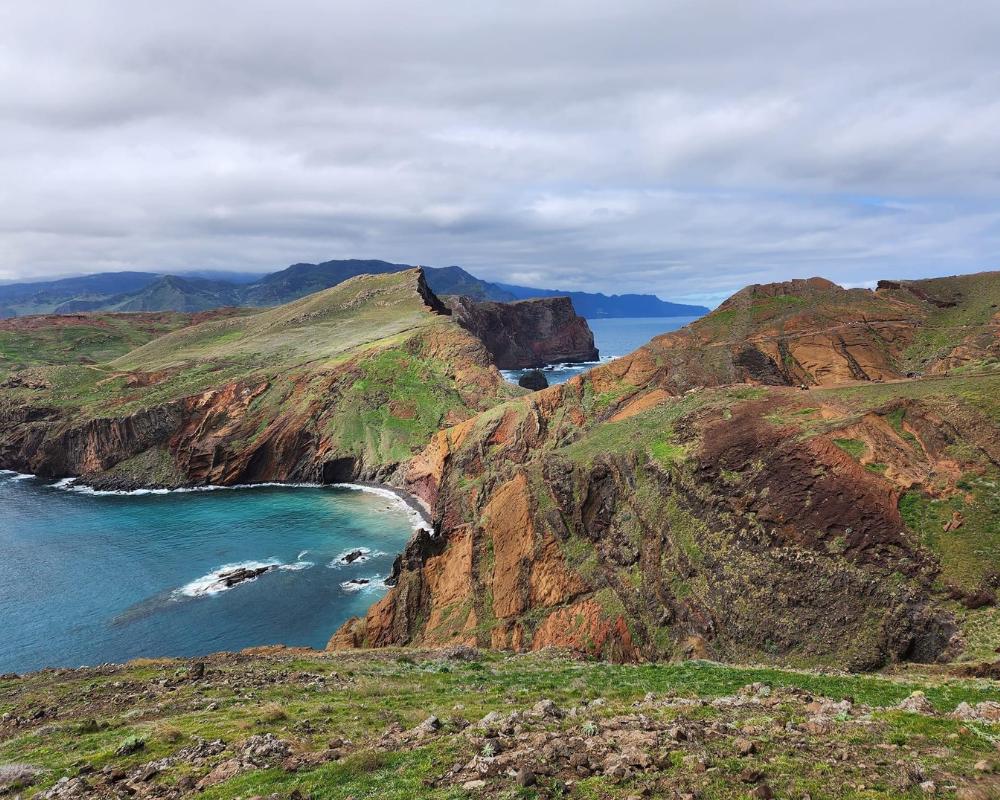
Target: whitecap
<point x="301" y="555"/>
<point x="366" y="554"/>
<point x="187" y="489"/>
<point x="374" y="582"/>
<point x="212" y="584"/>
<point x="417" y="519"/>
<point x="298" y="565"/>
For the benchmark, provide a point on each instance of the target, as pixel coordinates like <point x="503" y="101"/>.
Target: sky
<point x="680" y="148"/>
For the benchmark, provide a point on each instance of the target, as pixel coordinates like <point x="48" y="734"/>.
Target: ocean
<point x="88" y="579"/>
<point x="614" y="337"/>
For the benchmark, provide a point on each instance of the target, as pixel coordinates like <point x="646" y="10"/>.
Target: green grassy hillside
<point x="366" y="371"/>
<point x="84" y="338"/>
<point x="467" y="724"/>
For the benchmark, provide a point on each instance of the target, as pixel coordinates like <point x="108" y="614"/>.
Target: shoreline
<point x="415" y="507"/>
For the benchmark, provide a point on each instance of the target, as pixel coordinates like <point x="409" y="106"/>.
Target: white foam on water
<point x="19" y="476"/>
<point x="69" y="484"/>
<point x="366" y="554"/>
<point x="417" y="520"/>
<point x="184" y="489"/>
<point x="374" y="582"/>
<point x="212" y="584"/>
<point x="297" y="565"/>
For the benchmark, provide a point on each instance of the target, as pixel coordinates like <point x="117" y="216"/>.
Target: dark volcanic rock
<point x="534" y="380"/>
<point x="353" y="556"/>
<point x="236" y="576"/>
<point x="528" y="333"/>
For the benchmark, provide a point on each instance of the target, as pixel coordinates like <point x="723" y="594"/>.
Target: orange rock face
<point x="585" y="627"/>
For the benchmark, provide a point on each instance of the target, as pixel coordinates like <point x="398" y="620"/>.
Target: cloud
<point x="683" y="148"/>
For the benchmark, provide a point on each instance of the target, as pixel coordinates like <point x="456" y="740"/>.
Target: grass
<point x="972" y="551"/>
<point x="853" y="447"/>
<point x="80" y="339"/>
<point x="364" y="693"/>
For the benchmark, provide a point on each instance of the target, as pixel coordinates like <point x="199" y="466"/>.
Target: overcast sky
<point x="681" y="148"/>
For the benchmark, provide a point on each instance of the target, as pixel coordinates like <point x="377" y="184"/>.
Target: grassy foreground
<point x="404" y="724"/>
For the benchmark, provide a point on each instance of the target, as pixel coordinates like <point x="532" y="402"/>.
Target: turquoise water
<point x="87" y="579"/>
<point x="614" y="337"/>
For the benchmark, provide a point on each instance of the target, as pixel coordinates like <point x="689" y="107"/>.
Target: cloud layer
<point x="683" y="148"/>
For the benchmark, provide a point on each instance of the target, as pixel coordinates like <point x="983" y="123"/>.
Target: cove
<point x="90" y="578"/>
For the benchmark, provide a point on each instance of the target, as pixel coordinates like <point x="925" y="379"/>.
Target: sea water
<point x="90" y="578"/>
<point x="614" y="338"/>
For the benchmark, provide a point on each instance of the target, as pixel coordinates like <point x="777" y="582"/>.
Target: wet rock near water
<point x="534" y="380"/>
<point x="234" y="577"/>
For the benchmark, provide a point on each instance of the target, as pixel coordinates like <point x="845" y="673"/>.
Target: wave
<point x="373" y="583"/>
<point x="213" y="583"/>
<point x="69" y="485"/>
<point x="417" y="519"/>
<point x="14" y="475"/>
<point x="366" y="554"/>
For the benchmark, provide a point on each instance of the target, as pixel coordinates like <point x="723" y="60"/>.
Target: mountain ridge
<point x="141" y="291"/>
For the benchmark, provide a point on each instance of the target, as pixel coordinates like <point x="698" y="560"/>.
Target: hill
<point x="43" y="297"/>
<point x="347" y="382"/>
<point x="85" y="338"/>
<point x="139" y="291"/>
<point x="689" y="500"/>
<point x="463" y="723"/>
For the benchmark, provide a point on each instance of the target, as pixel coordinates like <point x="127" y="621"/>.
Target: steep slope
<point x="529" y="333"/>
<point x="633" y="513"/>
<point x="349" y="382"/>
<point x="814" y="332"/>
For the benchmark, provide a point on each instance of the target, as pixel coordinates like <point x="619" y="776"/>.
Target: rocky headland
<point x="765" y="484"/>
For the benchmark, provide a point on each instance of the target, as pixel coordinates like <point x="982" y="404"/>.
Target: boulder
<point x="534" y="380"/>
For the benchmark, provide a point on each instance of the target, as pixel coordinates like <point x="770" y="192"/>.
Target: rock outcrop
<point x="686" y="499"/>
<point x="528" y="333"/>
<point x="347" y="383"/>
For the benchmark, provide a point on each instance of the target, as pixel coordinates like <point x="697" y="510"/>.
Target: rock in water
<point x="534" y="380"/>
<point x="236" y="576"/>
<point x="353" y="556"/>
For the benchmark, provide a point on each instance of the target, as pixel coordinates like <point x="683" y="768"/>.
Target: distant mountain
<point x="43" y="297"/>
<point x="594" y="306"/>
<point x="299" y="280"/>
<point x="200" y="290"/>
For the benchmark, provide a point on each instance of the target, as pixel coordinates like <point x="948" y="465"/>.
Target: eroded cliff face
<point x="527" y="333"/>
<point x="634" y="513"/>
<point x="816" y="333"/>
<point x="265" y="397"/>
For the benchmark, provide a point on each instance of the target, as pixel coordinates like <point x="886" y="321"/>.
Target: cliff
<point x="660" y="505"/>
<point x="687" y="499"/>
<point x="346" y="383"/>
<point x="528" y="333"/>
